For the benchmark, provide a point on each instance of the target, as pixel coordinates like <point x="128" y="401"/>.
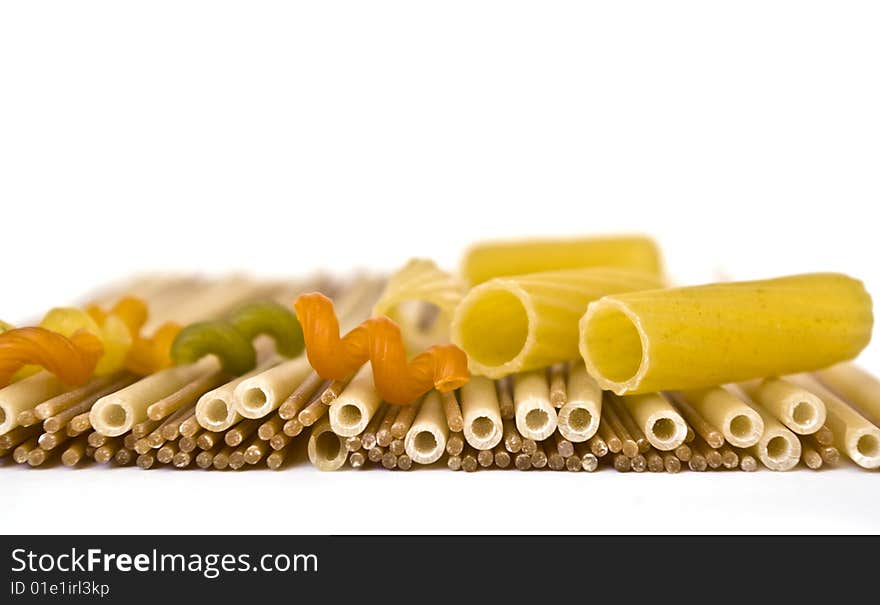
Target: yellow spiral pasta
<point x="525" y="322"/>
<point x="497" y="259"/>
<point x="684" y="338"/>
<point x="420" y="281"/>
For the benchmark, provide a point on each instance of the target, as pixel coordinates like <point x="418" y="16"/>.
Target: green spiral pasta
<point x="274" y="320"/>
<point x="220" y="338"/>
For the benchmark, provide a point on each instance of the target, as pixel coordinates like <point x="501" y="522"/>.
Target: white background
<point x="283" y="137"/>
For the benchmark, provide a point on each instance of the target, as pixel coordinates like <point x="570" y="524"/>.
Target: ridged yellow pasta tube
<point x="526" y="322"/>
<point x="420" y="281"/>
<point x="497" y="259"/>
<point x="684" y="338"/>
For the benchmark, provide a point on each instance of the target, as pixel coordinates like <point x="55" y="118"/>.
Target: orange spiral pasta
<point x="72" y="360"/>
<point x="379" y="341"/>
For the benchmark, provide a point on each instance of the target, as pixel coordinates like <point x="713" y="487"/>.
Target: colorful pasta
<point x="231" y="340"/>
<point x="498" y="259"/>
<point x="684" y="338"/>
<point x="377" y="340"/>
<point x="72" y="360"/>
<point x="525" y="322"/>
<point x="704" y="371"/>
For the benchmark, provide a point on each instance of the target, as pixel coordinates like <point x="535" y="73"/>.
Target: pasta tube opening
<point x="502" y="341"/>
<point x="613" y="344"/>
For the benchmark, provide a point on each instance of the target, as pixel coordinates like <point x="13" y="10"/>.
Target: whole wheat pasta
<point x="404" y="462"/>
<point x="396" y="447"/>
<point x="578" y="419"/>
<point x="146" y="460"/>
<point x="279" y="441"/>
<point x="505" y="397"/>
<point x="632" y="427"/>
<point x="628" y="445"/>
<point x="558" y="392"/>
<point x="26" y="394"/>
<point x="555" y="460"/>
<point x="74" y="453"/>
<point x="314" y="411"/>
<point x="854" y="435"/>
<point x="276" y="459"/>
<point x="856" y="386"/>
<point x="241" y="432"/>
<point x="376" y="453"/>
<point x="368" y="437"/>
<point x="501" y="456"/>
<point x="326" y="449"/>
<point x="452" y="409"/>
<point x="565" y="447"/>
<point x="18" y="435"/>
<point x="597" y="446"/>
<point x="729" y="457"/>
<point x="69" y="399"/>
<point x="525" y="322"/>
<point x="389" y="460"/>
<point x="351" y="412"/>
<point x="186" y="396"/>
<point x="482" y="417"/>
<point x="420" y="281"/>
<point x="494" y="259"/>
<point x="259" y="395"/>
<point x="797" y="408"/>
<point x="696" y="422"/>
<point x="182" y="459"/>
<point x="270" y="427"/>
<point x="609" y="437"/>
<point x="639" y="464"/>
<point x="535" y="417"/>
<point x="656" y="340"/>
<point x="810" y="456"/>
<point x="383" y="435"/>
<point x="671" y="463"/>
<point x="293" y="427"/>
<point x="20" y="453"/>
<point x="301" y="396"/>
<point x="427" y="437"/>
<point x="740" y="425"/>
<point x="116" y="413"/>
<point x="485" y="458"/>
<point x="357" y="459"/>
<point x="512" y="438"/>
<point x="404" y="419"/>
<point x="655" y="462"/>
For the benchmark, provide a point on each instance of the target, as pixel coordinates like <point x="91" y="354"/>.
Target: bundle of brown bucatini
<point x="559" y="354"/>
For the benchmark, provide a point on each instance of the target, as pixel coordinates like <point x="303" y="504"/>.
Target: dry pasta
<point x="685" y="338"/>
<point x="498" y="259"/>
<point x="412" y="293"/>
<point x="525" y="322"/>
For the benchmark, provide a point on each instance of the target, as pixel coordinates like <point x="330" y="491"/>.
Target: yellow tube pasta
<point x="526" y="322"/>
<point x="497" y="259"/>
<point x="685" y="338"/>
<point x="408" y="299"/>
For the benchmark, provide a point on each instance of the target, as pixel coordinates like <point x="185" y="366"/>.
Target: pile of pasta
<point x="561" y="354"/>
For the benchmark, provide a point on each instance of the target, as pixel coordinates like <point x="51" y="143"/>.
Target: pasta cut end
<point x="613" y="346"/>
<point x="493" y="325"/>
